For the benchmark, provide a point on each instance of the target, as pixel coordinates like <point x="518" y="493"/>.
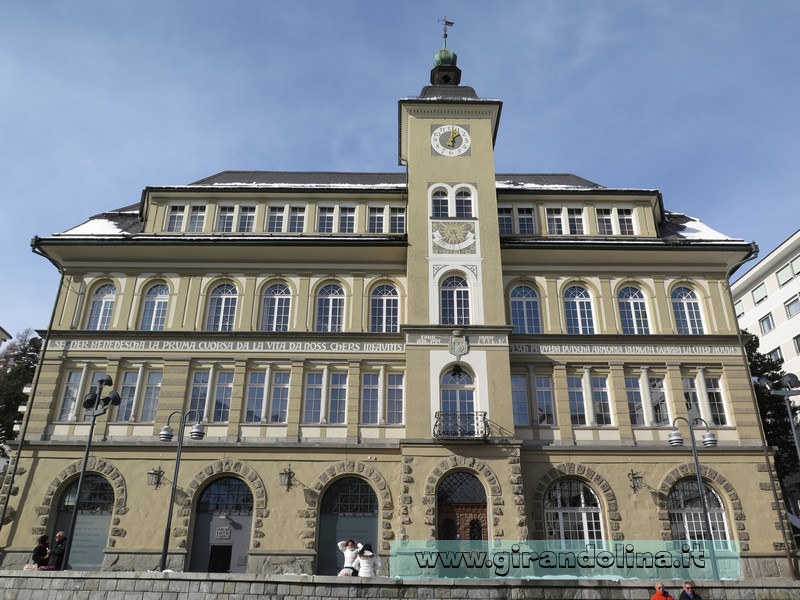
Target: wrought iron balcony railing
<point x="461" y="426"/>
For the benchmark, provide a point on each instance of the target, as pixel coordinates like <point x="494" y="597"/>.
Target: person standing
<point x="56" y="555"/>
<point x="367" y="562"/>
<point x="688" y="592"/>
<point x="661" y="592"/>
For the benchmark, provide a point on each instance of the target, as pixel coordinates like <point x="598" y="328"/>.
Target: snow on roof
<point x="95" y="227"/>
<point x="692" y="228"/>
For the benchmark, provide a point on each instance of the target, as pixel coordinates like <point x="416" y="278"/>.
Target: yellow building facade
<point x="443" y="352"/>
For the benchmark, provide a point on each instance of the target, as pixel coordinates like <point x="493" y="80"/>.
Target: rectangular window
<point x="256" y="388"/>
<point x="575" y="220"/>
<point x="690" y="398"/>
<point x="375" y="219"/>
<point x="605" y="224"/>
<point x="766" y="323"/>
<point x="561" y="220"/>
<point x="395" y="398"/>
<point x="505" y="221"/>
<point x="313" y="398"/>
<point x="738" y="307"/>
<point x="297" y="219"/>
<point x="127" y="394"/>
<point x="197" y="219"/>
<point x="554" y="225"/>
<point x="197" y="400"/>
<point x="325" y="219"/>
<point x="70" y="395"/>
<point x="175" y="218"/>
<point x="152" y="393"/>
<point x="792" y="307"/>
<point x="797" y="344"/>
<point x="225" y="215"/>
<point x="337" y="402"/>
<point x="519" y="400"/>
<point x="397" y="220"/>
<point x="275" y="219"/>
<point x="658" y="397"/>
<point x="347" y="219"/>
<point x="788" y="272"/>
<point x="279" y="397"/>
<point x="760" y="293"/>
<point x="577" y="411"/>
<point x="625" y="219"/>
<point x="222" y="397"/>
<point x="602" y="408"/>
<point x="247" y="219"/>
<point x="633" y="393"/>
<point x="776" y="355"/>
<point x="370" y="396"/>
<point x="715" y="401"/>
<point x="525" y="220"/>
<point x="545" y="413"/>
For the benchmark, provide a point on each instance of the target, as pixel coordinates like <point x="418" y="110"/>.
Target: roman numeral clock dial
<point x="450" y="140"/>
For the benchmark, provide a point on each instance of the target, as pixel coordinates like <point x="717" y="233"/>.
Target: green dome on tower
<point x="445" y="57"/>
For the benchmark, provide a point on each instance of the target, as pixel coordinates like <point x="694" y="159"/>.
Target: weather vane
<point x="444" y="28"/>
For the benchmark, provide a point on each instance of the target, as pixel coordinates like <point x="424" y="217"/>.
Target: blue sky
<point x="99" y="99"/>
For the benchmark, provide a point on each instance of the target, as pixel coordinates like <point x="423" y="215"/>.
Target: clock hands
<point x="453" y="135"/>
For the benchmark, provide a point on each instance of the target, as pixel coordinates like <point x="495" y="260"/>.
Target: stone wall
<point x="76" y="585"/>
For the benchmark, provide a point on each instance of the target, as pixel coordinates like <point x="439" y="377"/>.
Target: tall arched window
<point x="687" y="311"/>
<point x="154" y="312"/>
<point x="633" y="311"/>
<point x="330" y="308"/>
<point x="525" y="310"/>
<point x="222" y="308"/>
<point x="464" y="204"/>
<point x="578" y="310"/>
<point x="461" y="507"/>
<point x="102" y="307"/>
<point x="440" y="204"/>
<point x="93" y="520"/>
<point x="275" y="306"/>
<point x="686" y="513"/>
<point x="457" y="416"/>
<point x="572" y="513"/>
<point x="384" y="310"/>
<point x="454" y="295"/>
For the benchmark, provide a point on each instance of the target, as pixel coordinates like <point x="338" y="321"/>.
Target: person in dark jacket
<point x="39" y="555"/>
<point x="688" y="592"/>
<point x="56" y="554"/>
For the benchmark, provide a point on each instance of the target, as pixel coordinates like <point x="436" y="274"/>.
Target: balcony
<point x="461" y="426"/>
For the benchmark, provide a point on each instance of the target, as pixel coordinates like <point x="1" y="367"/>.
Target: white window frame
<point x="766" y="323"/>
<point x="759" y="293"/>
<point x="189" y="213"/>
<point x="558" y="219"/>
<point x="389" y="213"/>
<point x="518" y="219"/>
<point x="788" y="271"/>
<point x="101" y="307"/>
<point x="236" y="217"/>
<point x="617" y="215"/>
<point x="286" y="210"/>
<point x="382" y="397"/>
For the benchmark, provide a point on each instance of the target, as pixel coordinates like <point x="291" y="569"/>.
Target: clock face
<point x="450" y="140"/>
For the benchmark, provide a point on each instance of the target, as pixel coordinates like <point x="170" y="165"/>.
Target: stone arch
<point x="596" y="481"/>
<point x="224" y="466"/>
<point x="310" y="515"/>
<point x="99" y="466"/>
<point x="478" y="467"/>
<point x="719" y="484"/>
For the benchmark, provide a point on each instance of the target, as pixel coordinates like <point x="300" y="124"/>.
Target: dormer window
<point x="561" y="220"/>
<point x="188" y="218"/>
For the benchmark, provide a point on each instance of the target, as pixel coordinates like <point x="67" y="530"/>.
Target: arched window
<point x="222" y="308"/>
<point x="578" y="310"/>
<point x="464" y="204"/>
<point x="525" y="310"/>
<point x="572" y="513"/>
<point x="102" y="307"/>
<point x="461" y="507"/>
<point x="686" y="513"/>
<point x="440" y="204"/>
<point x="275" y="306"/>
<point x="633" y="311"/>
<point x="457" y="416"/>
<point x="330" y="308"/>
<point x="95" y="508"/>
<point x="454" y="295"/>
<point x="154" y="312"/>
<point x="687" y="311"/>
<point x="384" y="310"/>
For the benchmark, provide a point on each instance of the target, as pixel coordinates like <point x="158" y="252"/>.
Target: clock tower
<point x="455" y="284"/>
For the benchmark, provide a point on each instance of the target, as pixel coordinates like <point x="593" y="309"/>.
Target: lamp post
<point x="165" y="435"/>
<point x="94" y="404"/>
<point x="709" y="441"/>
<point x="784" y="388"/>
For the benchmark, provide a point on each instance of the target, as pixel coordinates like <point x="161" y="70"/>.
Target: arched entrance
<point x="90" y="537"/>
<point x="222" y="527"/>
<point x="461" y="508"/>
<point x="349" y="510"/>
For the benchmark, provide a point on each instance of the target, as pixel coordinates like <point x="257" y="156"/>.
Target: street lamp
<point x="94" y="404"/>
<point x="784" y="388"/>
<point x="165" y="435"/>
<point x="709" y="441"/>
